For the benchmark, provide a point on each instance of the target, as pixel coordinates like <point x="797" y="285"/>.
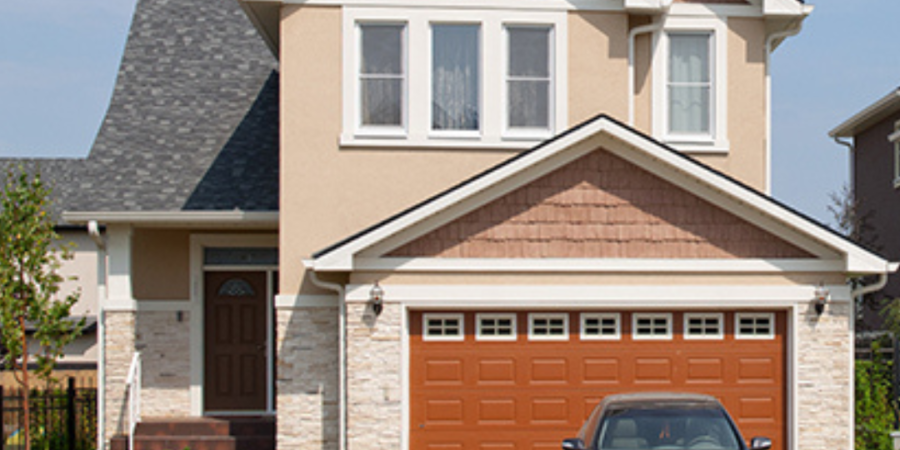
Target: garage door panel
<point x="527" y="394"/>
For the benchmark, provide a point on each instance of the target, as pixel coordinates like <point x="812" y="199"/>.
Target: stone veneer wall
<point x="824" y="378"/>
<point x="119" y="338"/>
<point x="164" y="343"/>
<point x="306" y="342"/>
<point x="374" y="364"/>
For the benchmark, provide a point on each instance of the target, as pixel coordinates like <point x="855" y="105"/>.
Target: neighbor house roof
<point x="633" y="145"/>
<point x="884" y="107"/>
<point x="193" y="120"/>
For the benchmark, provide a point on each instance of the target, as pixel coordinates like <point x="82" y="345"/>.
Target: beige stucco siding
<point x="161" y="264"/>
<point x="746" y="159"/>
<point x="329" y="192"/>
<point x="598" y="65"/>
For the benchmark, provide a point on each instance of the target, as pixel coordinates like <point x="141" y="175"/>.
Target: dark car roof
<point x="651" y="399"/>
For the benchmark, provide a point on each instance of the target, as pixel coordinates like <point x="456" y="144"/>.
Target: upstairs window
<point x="529" y="82"/>
<point x="429" y="77"/>
<point x="894" y="138"/>
<point x="690" y="85"/>
<point x="455" y="77"/>
<point x="382" y="79"/>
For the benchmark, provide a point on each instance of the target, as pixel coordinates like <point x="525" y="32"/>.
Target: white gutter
<point x="173" y="217"/>
<point x="94" y="232"/>
<point x="881" y="107"/>
<point x="631" y="40"/>
<point x="878" y="285"/>
<point x="342" y="349"/>
<point x="769" y="42"/>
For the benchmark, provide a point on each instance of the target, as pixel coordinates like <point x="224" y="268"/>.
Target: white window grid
<point x="754" y="326"/>
<point x="651" y="326"/>
<point x="495" y="327"/>
<point x="523" y="132"/>
<point x="548" y="326"/>
<point x="709" y="85"/>
<point x="383" y="131"/>
<point x="704" y="326"/>
<point x="443" y="327"/>
<point x="601" y="326"/>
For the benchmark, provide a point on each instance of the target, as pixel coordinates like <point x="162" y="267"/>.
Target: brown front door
<point x="235" y="368"/>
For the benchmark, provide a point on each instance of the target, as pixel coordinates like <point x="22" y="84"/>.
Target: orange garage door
<point x="526" y="380"/>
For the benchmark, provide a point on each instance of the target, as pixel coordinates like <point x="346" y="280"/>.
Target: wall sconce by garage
<point x="376" y="299"/>
<point x="822" y="297"/>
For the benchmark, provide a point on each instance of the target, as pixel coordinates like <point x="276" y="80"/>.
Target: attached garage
<point x="528" y="379"/>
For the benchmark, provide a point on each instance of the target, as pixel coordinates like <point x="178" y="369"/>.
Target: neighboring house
<point x="457" y="225"/>
<point x="873" y="136"/>
<point x="80" y="273"/>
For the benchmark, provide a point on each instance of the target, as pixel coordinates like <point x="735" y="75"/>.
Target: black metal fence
<point x="62" y="418"/>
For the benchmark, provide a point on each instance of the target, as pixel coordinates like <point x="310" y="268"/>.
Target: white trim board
<point x="594" y="265"/>
<point x="617" y="296"/>
<point x="624" y="142"/>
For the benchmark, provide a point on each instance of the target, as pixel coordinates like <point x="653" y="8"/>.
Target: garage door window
<point x="703" y="326"/>
<point x="652" y="326"/>
<point x="496" y="327"/>
<point x="600" y="326"/>
<point x="443" y="327"/>
<point x="754" y="325"/>
<point x="548" y="327"/>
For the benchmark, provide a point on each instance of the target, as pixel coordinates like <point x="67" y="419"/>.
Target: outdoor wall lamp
<point x="376" y="298"/>
<point x="822" y="297"/>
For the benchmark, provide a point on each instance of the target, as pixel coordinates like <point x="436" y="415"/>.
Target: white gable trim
<point x="625" y="143"/>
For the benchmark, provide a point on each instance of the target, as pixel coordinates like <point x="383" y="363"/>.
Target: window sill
<point x="367" y="141"/>
<point x="715" y="147"/>
<point x="896" y="183"/>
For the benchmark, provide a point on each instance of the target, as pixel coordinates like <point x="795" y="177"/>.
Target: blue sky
<point x="59" y="58"/>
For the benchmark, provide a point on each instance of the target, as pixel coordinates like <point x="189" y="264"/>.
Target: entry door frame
<point x="198" y="243"/>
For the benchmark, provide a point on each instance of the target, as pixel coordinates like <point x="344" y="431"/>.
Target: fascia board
<point x="237" y="217"/>
<point x="784" y="8"/>
<point x="871" y="113"/>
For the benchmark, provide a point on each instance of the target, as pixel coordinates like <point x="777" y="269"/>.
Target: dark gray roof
<point x="193" y="120"/>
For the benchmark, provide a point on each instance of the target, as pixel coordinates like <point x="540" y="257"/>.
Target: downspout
<point x="770" y="41"/>
<point x="93" y="230"/>
<point x="876" y="286"/>
<point x="852" y="149"/>
<point x="342" y="350"/>
<point x="631" y="40"/>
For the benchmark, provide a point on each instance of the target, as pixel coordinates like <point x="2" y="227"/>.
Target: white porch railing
<point x="133" y="390"/>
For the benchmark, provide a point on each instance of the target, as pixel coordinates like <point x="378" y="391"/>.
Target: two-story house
<point x="873" y="136"/>
<point x="489" y="216"/>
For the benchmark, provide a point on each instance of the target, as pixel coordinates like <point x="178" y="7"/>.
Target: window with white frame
<point x="455" y="77"/>
<point x="600" y="326"/>
<point x="703" y="326"/>
<point x="443" y="327"/>
<point x="548" y="326"/>
<point x="690" y="110"/>
<point x="382" y="79"/>
<point x="438" y="77"/>
<point x="529" y="79"/>
<point x="689" y="85"/>
<point x="651" y="326"/>
<point x="754" y="325"/>
<point x="495" y="327"/>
